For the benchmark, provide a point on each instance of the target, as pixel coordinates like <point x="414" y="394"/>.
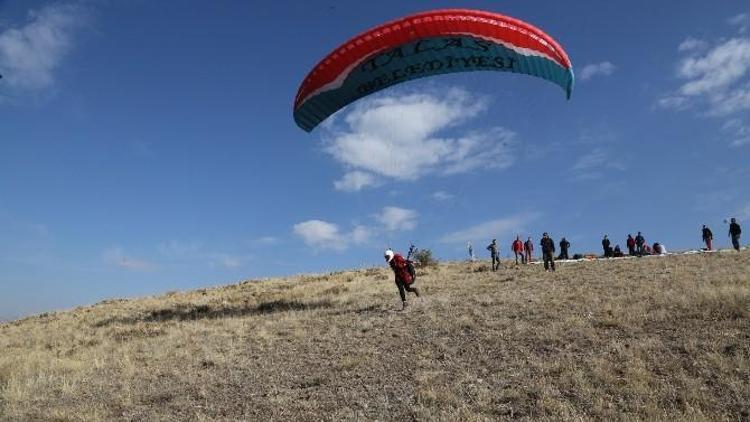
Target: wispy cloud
<point x="590" y="70"/>
<point x="717" y="71"/>
<point x="741" y="21"/>
<point x="738" y="131"/>
<point x="692" y="45"/>
<point x="593" y="159"/>
<point x="595" y="164"/>
<point x="30" y="54"/>
<point x="175" y="249"/>
<point x="267" y="240"/>
<point x="395" y="218"/>
<point x="716" y="80"/>
<point x="355" y="181"/>
<point x="674" y="102"/>
<point x="442" y="196"/>
<point x="116" y="256"/>
<point x="398" y="137"/>
<point x="227" y="261"/>
<point x="501" y="227"/>
<point x="190" y="252"/>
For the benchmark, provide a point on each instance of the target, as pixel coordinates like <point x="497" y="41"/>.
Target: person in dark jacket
<point x="548" y="252"/>
<point x="631" y="245"/>
<point x="528" y="249"/>
<point x="605" y="246"/>
<point x="564" y="245"/>
<point x="734" y="232"/>
<point x="617" y="252"/>
<point x="708" y="237"/>
<point x="404" y="280"/>
<point x="639" y="242"/>
<point x="492" y="247"/>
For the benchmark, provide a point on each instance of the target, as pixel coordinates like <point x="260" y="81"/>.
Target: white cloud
<point x="360" y="235"/>
<point x="717" y="70"/>
<point x="227" y="261"/>
<point x="324" y="235"/>
<point x="594" y="164"/>
<point x="674" y="102"/>
<point x="320" y="234"/>
<point x="591" y="70"/>
<point x="732" y="102"/>
<point x="716" y="80"/>
<point x="692" y="45"/>
<point x="29" y="55"/>
<point x="397" y="137"/>
<point x="395" y="218"/>
<point x="116" y="256"/>
<point x="499" y="228"/>
<point x="719" y="78"/>
<point x="355" y="181"/>
<point x="231" y="262"/>
<point x="267" y="240"/>
<point x="442" y="196"/>
<point x="742" y="21"/>
<point x="595" y="158"/>
<point x="739" y="131"/>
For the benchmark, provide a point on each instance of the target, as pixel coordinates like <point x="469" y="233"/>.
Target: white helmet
<point x="388" y="254"/>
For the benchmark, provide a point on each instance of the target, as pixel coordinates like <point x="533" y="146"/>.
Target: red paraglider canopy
<point x="433" y="42"/>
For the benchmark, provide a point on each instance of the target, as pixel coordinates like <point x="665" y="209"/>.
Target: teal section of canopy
<point x="423" y="58"/>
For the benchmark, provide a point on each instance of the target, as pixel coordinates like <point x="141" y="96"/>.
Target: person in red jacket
<point x="518" y="250"/>
<point x="631" y="245"/>
<point x="404" y="279"/>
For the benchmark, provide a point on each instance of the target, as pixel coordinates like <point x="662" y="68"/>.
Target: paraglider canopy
<point x="426" y="44"/>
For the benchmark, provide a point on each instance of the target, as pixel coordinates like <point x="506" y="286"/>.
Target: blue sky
<point x="148" y="147"/>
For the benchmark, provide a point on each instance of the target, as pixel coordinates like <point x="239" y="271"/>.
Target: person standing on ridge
<point x="631" y="245"/>
<point x="404" y="278"/>
<point x="605" y="246"/>
<point x="492" y="247"/>
<point x="564" y="245"/>
<point x="548" y="252"/>
<point x="639" y="242"/>
<point x="528" y="249"/>
<point x="734" y="232"/>
<point x="708" y="237"/>
<point x="518" y="250"/>
<point x="472" y="258"/>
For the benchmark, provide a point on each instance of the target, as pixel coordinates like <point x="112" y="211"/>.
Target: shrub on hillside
<point x="423" y="258"/>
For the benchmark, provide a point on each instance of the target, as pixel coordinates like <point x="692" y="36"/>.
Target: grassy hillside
<point x="653" y="338"/>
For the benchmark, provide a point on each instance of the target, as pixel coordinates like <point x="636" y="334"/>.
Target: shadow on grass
<point x="182" y="312"/>
<point x="367" y="310"/>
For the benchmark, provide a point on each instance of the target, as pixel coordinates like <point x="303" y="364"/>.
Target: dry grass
<point x="664" y="339"/>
